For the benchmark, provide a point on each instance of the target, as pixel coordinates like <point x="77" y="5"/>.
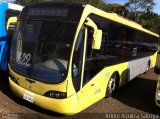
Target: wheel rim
<point x="112" y="84"/>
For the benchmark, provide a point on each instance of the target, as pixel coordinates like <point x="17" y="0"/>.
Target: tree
<point x="117" y="8"/>
<point x="151" y="21"/>
<point x="136" y="7"/>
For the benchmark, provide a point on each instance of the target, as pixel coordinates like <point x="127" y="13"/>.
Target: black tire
<point x="112" y="85"/>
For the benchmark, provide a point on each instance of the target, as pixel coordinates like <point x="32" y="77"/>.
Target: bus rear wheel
<point x="112" y="85"/>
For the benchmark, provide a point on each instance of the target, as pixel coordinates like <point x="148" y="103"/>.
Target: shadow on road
<point x="140" y="94"/>
<point x="5" y="89"/>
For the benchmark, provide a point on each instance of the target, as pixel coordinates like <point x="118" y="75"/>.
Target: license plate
<point x="28" y="98"/>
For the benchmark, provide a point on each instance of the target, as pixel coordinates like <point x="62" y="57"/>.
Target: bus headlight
<point x="56" y="94"/>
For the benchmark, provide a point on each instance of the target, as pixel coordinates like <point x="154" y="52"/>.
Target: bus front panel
<point x="40" y="56"/>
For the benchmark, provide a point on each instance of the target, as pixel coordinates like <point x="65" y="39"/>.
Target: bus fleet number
<point x="24" y="60"/>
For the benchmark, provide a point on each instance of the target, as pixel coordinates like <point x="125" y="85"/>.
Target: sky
<point x="156" y="8"/>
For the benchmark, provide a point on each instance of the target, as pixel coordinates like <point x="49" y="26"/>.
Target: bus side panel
<point x="127" y="71"/>
<point x="95" y="89"/>
<point x="137" y="67"/>
<point x="153" y="59"/>
<point x="3" y="8"/>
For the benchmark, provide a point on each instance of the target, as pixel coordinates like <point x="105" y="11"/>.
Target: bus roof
<point x="90" y="9"/>
<point x="117" y="18"/>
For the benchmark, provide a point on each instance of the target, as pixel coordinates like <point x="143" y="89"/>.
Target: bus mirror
<point x="11" y="26"/>
<point x="11" y="20"/>
<point x="96" y="44"/>
<point x="97" y="35"/>
<point x="157" y="70"/>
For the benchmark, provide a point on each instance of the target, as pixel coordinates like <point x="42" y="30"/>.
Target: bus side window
<point x="78" y="60"/>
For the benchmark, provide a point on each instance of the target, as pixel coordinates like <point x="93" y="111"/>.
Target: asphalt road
<point x="134" y="100"/>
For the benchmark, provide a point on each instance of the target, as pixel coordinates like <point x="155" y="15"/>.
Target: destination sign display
<point x="50" y="11"/>
<point x="57" y="12"/>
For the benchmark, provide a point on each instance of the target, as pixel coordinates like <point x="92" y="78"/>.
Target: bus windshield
<point x="41" y="49"/>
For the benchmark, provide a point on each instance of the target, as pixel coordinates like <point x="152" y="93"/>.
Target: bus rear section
<point x="65" y="57"/>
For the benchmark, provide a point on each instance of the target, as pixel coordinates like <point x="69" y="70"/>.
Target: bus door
<point x="90" y="87"/>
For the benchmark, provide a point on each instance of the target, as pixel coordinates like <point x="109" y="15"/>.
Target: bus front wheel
<point x="112" y="85"/>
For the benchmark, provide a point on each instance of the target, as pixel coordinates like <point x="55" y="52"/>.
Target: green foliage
<point x="116" y="8"/>
<point x="139" y="5"/>
<point x="141" y="11"/>
<point x="151" y="21"/>
<point x="136" y="7"/>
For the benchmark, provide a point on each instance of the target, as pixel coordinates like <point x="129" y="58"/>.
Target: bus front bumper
<point x="67" y="106"/>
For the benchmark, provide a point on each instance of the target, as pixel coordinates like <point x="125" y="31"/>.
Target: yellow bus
<point x="65" y="57"/>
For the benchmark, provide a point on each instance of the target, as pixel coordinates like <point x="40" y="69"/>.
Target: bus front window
<point x="41" y="49"/>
